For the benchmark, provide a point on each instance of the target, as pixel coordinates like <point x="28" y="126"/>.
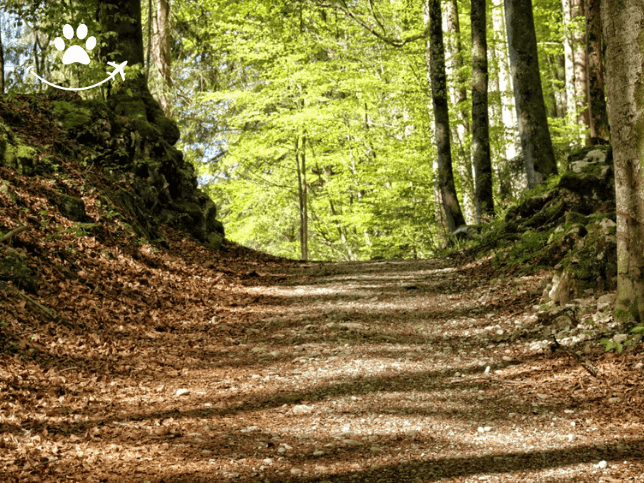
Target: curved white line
<point x="69" y="88"/>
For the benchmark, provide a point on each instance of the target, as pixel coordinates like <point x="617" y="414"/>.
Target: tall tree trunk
<point x="549" y="94"/>
<point x="557" y="96"/>
<point x="300" y="161"/>
<point x="161" y="52"/>
<point x="538" y="153"/>
<point x="560" y="94"/>
<point x="623" y="24"/>
<point x="132" y="97"/>
<point x="458" y="96"/>
<point x="1" y="63"/>
<point x="596" y="99"/>
<point x="505" y="82"/>
<point x="435" y="51"/>
<point x="569" y="60"/>
<point x="480" y="118"/>
<point x="579" y="52"/>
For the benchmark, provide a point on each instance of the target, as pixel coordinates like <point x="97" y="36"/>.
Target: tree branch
<point x="343" y="7"/>
<point x="13" y="233"/>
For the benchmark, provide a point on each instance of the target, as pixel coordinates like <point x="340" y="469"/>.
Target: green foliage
<point x="252" y="78"/>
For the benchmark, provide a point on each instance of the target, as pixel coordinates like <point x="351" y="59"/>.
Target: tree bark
<point x="480" y="119"/>
<point x="569" y="60"/>
<point x="300" y="161"/>
<point x="132" y="97"/>
<point x="124" y="18"/>
<point x="623" y="28"/>
<point x="536" y="145"/>
<point x="508" y="110"/>
<point x="1" y="64"/>
<point x="596" y="99"/>
<point x="579" y="52"/>
<point x="435" y="51"/>
<point x="161" y="52"/>
<point x="458" y="95"/>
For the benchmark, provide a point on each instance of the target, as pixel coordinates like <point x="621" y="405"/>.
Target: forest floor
<point x="182" y="365"/>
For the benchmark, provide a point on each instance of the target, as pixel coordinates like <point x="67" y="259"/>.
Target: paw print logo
<point x="75" y="53"/>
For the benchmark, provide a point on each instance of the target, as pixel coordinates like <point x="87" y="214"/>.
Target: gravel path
<point x="383" y="371"/>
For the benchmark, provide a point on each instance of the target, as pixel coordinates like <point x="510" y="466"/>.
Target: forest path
<point x="272" y="371"/>
<point x="406" y="371"/>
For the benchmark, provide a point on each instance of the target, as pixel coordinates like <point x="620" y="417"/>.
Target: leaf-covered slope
<point x="91" y="211"/>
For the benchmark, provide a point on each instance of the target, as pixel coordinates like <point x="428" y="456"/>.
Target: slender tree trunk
<point x="510" y="134"/>
<point x="597" y="101"/>
<point x="436" y="62"/>
<point x="161" y="52"/>
<point x="579" y="52"/>
<point x="149" y="55"/>
<point x="557" y="96"/>
<point x="538" y="153"/>
<point x="341" y="232"/>
<point x="623" y="24"/>
<point x="569" y="60"/>
<point x="560" y="93"/>
<point x="1" y="63"/>
<point x="458" y="96"/>
<point x="480" y="118"/>
<point x="300" y="162"/>
<point x="549" y="94"/>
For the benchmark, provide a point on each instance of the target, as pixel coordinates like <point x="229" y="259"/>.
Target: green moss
<point x="21" y="157"/>
<point x="73" y="115"/>
<point x="574" y="218"/>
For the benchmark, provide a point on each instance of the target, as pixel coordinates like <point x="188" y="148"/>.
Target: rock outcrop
<point x="568" y="226"/>
<point x="137" y="148"/>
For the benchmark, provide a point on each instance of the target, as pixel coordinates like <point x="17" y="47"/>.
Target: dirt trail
<point x="382" y="371"/>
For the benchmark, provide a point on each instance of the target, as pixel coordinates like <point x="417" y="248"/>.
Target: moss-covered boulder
<point x="72" y="208"/>
<point x="133" y="139"/>
<point x="14" y="154"/>
<point x="567" y="224"/>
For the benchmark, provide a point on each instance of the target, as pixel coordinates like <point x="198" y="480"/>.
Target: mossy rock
<point x="14" y="268"/>
<point x="72" y="208"/>
<point x="21" y="158"/>
<point x="581" y="153"/>
<point x="73" y="115"/>
<point x="5" y="190"/>
<point x="574" y="218"/>
<point x="529" y="207"/>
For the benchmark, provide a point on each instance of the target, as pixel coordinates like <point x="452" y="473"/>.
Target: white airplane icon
<point x="118" y="69"/>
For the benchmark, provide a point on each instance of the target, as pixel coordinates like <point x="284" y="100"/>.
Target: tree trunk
<point x="538" y="153"/>
<point x="458" y="94"/>
<point x="569" y="60"/>
<point x="623" y="24"/>
<point x="480" y="119"/>
<point x="132" y="97"/>
<point x="560" y="94"/>
<point x="124" y="18"/>
<point x="579" y="52"/>
<point x="596" y="99"/>
<point x="510" y="134"/>
<point x="161" y="52"/>
<point x="1" y="64"/>
<point x="300" y="162"/>
<point x="435" y="51"/>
